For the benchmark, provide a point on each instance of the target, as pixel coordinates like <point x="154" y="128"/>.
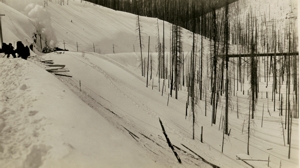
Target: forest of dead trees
<point x="253" y="49"/>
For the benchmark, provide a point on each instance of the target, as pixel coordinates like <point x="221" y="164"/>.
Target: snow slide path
<point x="124" y="95"/>
<point x="128" y="123"/>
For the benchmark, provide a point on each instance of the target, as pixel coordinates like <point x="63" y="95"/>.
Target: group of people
<point x="21" y="50"/>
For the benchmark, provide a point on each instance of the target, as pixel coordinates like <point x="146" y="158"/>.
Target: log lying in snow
<point x="244" y="161"/>
<point x="65" y="75"/>
<point x="213" y="165"/>
<point x="169" y="142"/>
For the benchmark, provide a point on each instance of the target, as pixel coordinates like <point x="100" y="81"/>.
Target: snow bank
<point x="44" y="124"/>
<point x="16" y="26"/>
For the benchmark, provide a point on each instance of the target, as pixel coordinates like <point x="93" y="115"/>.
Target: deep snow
<point x="46" y="121"/>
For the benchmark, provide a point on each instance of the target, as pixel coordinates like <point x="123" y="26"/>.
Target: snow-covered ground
<point x="104" y="116"/>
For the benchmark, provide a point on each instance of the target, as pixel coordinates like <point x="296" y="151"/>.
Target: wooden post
<point x="274" y="98"/>
<point x="290" y="132"/>
<point x="77" y="46"/>
<point x="223" y="135"/>
<point x="94" y="47"/>
<point x="269" y="161"/>
<point x="145" y="67"/>
<point x="151" y="68"/>
<point x="80" y="85"/>
<point x="163" y="87"/>
<point x="64" y="45"/>
<point x="237" y="106"/>
<point x="201" y="138"/>
<point x="243" y="127"/>
<point x="186" y="109"/>
<point x="280" y="164"/>
<point x="158" y="81"/>
<point x="152" y="83"/>
<point x="1" y="34"/>
<point x="148" y="62"/>
<point x="283" y="132"/>
<point x="262" y="117"/>
<point x="205" y="104"/>
<point x="41" y="42"/>
<point x="168" y="99"/>
<point x="281" y="102"/>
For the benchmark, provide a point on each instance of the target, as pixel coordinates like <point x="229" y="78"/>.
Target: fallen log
<point x="204" y="160"/>
<point x="244" y="161"/>
<point x="169" y="142"/>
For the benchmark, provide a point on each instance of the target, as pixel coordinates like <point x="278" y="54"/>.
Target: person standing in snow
<point x="22" y="51"/>
<point x="10" y="50"/>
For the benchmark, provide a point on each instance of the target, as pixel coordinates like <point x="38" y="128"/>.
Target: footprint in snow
<point x="23" y="87"/>
<point x="32" y="113"/>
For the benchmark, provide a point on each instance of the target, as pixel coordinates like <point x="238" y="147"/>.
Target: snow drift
<point x="104" y="116"/>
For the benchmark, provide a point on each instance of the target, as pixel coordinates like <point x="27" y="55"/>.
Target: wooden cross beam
<point x="260" y="55"/>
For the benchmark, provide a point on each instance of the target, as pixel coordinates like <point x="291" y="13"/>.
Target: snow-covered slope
<point x="16" y="25"/>
<point x="108" y="30"/>
<point x="104" y="116"/>
<point x="43" y="123"/>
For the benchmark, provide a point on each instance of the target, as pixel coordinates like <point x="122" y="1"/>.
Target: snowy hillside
<point x="104" y="116"/>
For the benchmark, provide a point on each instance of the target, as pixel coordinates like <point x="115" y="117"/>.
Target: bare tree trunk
<point x="248" y="140"/>
<point x="141" y="47"/>
<point x="201" y="67"/>
<point x="226" y="34"/>
<point x="215" y="62"/>
<point x="148" y="61"/>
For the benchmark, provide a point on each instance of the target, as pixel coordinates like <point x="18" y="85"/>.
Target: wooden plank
<point x="65" y="75"/>
<point x="58" y="70"/>
<point x="53" y="68"/>
<point x="56" y="65"/>
<point x="46" y="60"/>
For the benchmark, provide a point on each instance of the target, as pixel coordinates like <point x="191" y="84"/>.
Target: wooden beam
<point x="65" y="75"/>
<point x="56" y="65"/>
<point x="53" y="68"/>
<point x="261" y="55"/>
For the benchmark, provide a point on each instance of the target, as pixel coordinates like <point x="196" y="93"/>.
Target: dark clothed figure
<point x="10" y="50"/>
<point x="22" y="51"/>
<point x="4" y="49"/>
